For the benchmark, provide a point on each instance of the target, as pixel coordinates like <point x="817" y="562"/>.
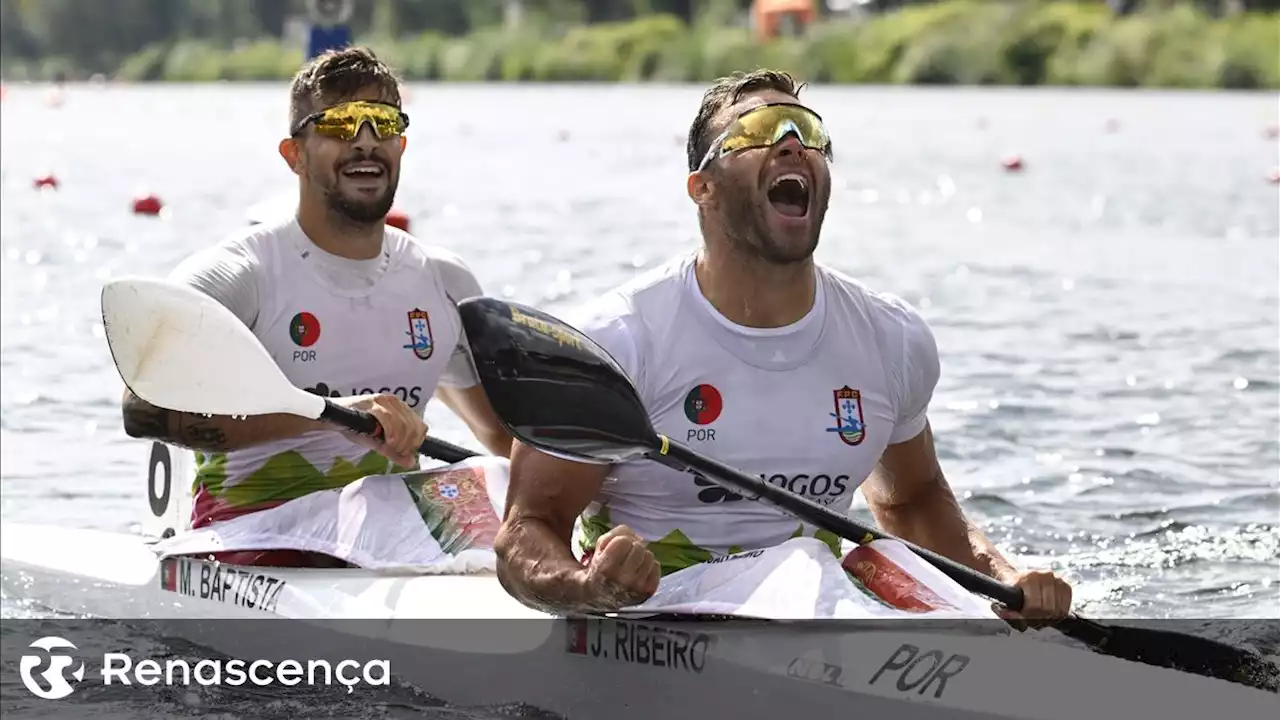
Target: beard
<point x="746" y="222"/>
<point x="358" y="210"/>
<point x="362" y="211"/>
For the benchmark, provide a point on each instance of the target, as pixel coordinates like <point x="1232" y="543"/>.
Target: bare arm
<point x="536" y="564"/>
<point x="909" y="497"/>
<point x="473" y="406"/>
<point x="214" y="433"/>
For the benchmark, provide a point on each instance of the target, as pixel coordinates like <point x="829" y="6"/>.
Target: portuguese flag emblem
<point x="703" y="405"/>
<point x="304" y="328"/>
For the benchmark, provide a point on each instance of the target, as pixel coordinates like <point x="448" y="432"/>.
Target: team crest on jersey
<point x="848" y="416"/>
<point x="420" y="334"/>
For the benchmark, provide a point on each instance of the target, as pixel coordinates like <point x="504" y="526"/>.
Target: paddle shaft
<point x="366" y="424"/>
<point x="681" y="457"/>
<point x="1208" y="657"/>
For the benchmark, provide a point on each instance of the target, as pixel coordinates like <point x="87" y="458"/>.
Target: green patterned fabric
<point x="675" y="551"/>
<point x="282" y="477"/>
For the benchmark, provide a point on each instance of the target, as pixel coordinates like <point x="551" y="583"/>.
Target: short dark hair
<point x="725" y="92"/>
<point x="336" y="74"/>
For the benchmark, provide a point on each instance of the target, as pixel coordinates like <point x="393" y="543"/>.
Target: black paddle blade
<point x="553" y="387"/>
<point x="1178" y="650"/>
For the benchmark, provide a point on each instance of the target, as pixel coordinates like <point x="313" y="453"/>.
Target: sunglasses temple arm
<point x="712" y="150"/>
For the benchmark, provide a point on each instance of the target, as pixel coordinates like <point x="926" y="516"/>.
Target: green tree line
<point x="97" y="34"/>
<point x="1168" y="43"/>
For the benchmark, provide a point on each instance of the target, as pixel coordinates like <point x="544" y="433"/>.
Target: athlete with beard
<point x="349" y="308"/>
<point x="757" y="356"/>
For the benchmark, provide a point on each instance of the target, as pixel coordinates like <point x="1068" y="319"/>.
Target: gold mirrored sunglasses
<point x="343" y="121"/>
<point x="764" y="126"/>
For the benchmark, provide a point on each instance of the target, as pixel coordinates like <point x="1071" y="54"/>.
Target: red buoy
<point x="46" y="181"/>
<point x="147" y="205"/>
<point x="1012" y="163"/>
<point x="1273" y="177"/>
<point x="398" y="219"/>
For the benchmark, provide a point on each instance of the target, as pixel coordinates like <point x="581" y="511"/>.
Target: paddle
<point x="181" y="350"/>
<point x="556" y="390"/>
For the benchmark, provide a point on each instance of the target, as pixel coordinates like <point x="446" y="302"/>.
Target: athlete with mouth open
<point x="347" y="306"/>
<point x="757" y="356"/>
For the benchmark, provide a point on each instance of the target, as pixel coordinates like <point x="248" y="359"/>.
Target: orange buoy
<point x="147" y="205"/>
<point x="1012" y="163"/>
<point x="46" y="181"/>
<point x="398" y="219"/>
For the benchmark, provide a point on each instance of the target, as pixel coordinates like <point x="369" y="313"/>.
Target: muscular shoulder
<point x="893" y="318"/>
<point x="241" y="249"/>
<point x="907" y="347"/>
<point x="448" y="267"/>
<point x="230" y="270"/>
<point x="631" y="305"/>
<point x="648" y="294"/>
<point x="625" y="319"/>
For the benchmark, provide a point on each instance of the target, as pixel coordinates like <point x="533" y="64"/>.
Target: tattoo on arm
<point x="201" y="434"/>
<point x="195" y="432"/>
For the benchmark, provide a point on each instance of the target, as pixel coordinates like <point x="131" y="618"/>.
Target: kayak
<point x="452" y="636"/>
<point x="419" y="598"/>
<point x="449" y="627"/>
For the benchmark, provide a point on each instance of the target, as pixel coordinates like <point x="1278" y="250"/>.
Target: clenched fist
<point x="622" y="572"/>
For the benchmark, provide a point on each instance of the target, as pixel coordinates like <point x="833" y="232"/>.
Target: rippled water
<point x="1107" y="318"/>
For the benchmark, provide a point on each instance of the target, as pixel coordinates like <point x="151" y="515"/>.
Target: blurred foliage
<point x="1158" y="43"/>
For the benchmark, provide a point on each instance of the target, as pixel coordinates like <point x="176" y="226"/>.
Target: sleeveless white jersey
<point x="336" y="327"/>
<point x="809" y="407"/>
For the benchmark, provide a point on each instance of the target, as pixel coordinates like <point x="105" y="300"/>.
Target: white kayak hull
<point x="619" y="669"/>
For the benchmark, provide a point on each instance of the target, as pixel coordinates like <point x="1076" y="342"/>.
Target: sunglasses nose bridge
<point x="363" y="121"/>
<point x="788" y="129"/>
<point x="382" y="126"/>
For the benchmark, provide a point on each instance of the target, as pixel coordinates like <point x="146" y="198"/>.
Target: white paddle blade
<point x="180" y="349"/>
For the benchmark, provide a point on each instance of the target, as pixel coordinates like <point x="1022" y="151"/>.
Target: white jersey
<point x="336" y="327"/>
<point x="809" y="407"/>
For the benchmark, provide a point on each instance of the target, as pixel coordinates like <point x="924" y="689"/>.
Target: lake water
<point x="1107" y="318"/>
